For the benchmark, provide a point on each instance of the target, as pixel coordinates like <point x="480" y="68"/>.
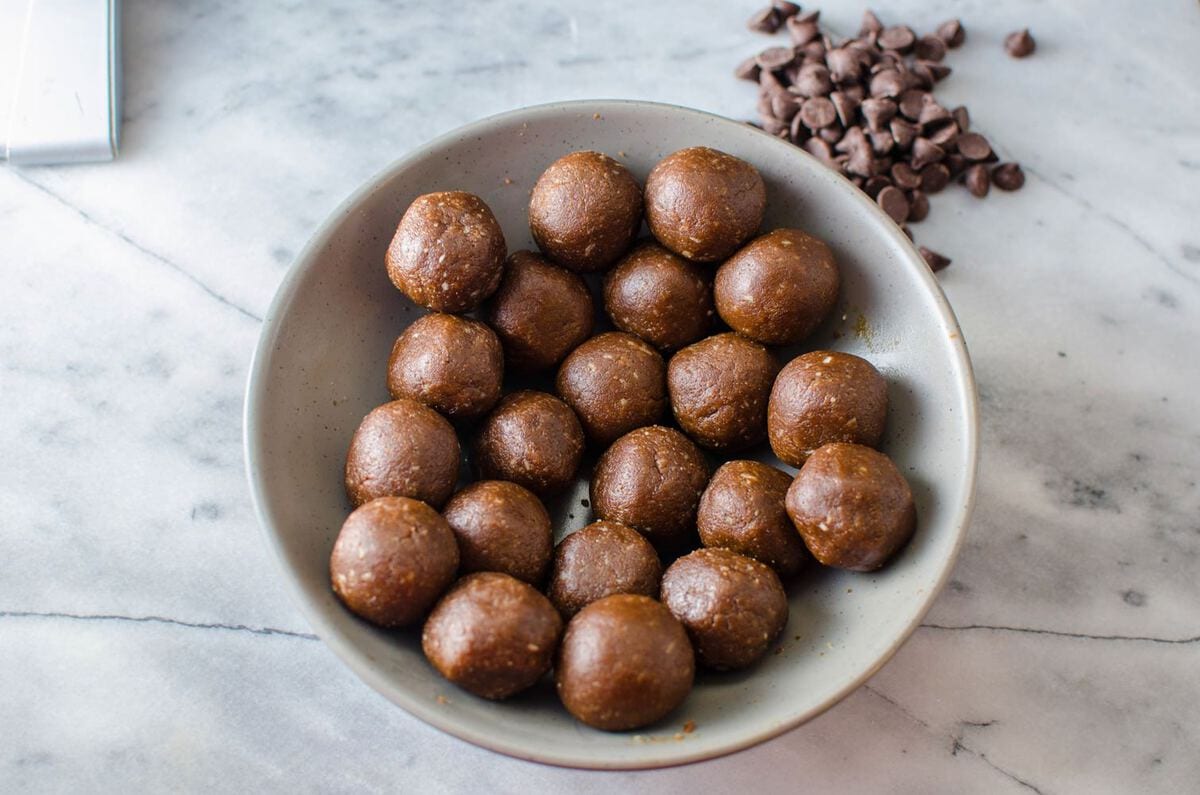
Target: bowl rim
<point x="328" y="632"/>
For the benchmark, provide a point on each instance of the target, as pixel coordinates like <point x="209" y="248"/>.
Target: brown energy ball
<point x="541" y="312"/>
<point x="585" y="210"/>
<point x="602" y="559"/>
<point x="615" y="382"/>
<point x="743" y="510"/>
<point x="822" y="397"/>
<point x="719" y="389"/>
<point x="732" y="606"/>
<point x="402" y="449"/>
<point x="651" y="479"/>
<point x="852" y="506"/>
<point x="448" y="252"/>
<point x="502" y="527"/>
<point x="492" y="635"/>
<point x="702" y="204"/>
<point x="625" y="662"/>
<point x="661" y="297"/>
<point x="450" y="363"/>
<point x="779" y="288"/>
<point x="532" y="439"/>
<point x="392" y="559"/>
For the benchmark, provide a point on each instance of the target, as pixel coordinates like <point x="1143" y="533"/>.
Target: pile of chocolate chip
<point x="865" y="107"/>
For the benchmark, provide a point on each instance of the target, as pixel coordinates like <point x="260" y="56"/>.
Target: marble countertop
<point x="146" y="641"/>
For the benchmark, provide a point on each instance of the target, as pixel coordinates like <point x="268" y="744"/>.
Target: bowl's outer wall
<point x="321" y="364"/>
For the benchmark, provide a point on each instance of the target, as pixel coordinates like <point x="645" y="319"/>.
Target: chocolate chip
<point x="937" y="71"/>
<point x="944" y="135"/>
<point x="918" y="206"/>
<point x="775" y="58"/>
<point x="784" y="106"/>
<point x="748" y="69"/>
<point x="905" y="176"/>
<point x="870" y="23"/>
<point x="911" y="103"/>
<point x="878" y="111"/>
<point x="768" y="82"/>
<point x="873" y="185"/>
<point x="810" y="16"/>
<point x="855" y="91"/>
<point x="904" y="132"/>
<point x="855" y="138"/>
<point x="920" y="76"/>
<point x="932" y="113"/>
<point x="845" y="105"/>
<point x="934" y="177"/>
<point x="819" y="149"/>
<point x="977" y="180"/>
<point x="1020" y="44"/>
<point x="803" y="31"/>
<point x="962" y="118"/>
<point x="1008" y="176"/>
<point x="887" y="83"/>
<point x="833" y="133"/>
<point x="930" y="48"/>
<point x="899" y="38"/>
<point x="925" y="152"/>
<point x="844" y="64"/>
<point x="773" y="125"/>
<point x="818" y="112"/>
<point x="786" y="9"/>
<point x="952" y="32"/>
<point x="797" y="131"/>
<point x="882" y="142"/>
<point x="974" y="146"/>
<point x="813" y="52"/>
<point x="956" y="163"/>
<point x="892" y="200"/>
<point x="813" y="80"/>
<point x="765" y="21"/>
<point x="934" y="260"/>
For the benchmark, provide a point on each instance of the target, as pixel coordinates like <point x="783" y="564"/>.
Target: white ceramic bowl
<point x="320" y="367"/>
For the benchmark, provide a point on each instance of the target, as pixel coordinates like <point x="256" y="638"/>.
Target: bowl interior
<point x="321" y="363"/>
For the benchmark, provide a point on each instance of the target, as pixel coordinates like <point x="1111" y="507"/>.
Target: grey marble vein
<point x="146" y="642"/>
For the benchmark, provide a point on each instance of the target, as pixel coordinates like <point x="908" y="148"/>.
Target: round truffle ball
<point x="532" y="439"/>
<point x="585" y="210"/>
<point x="492" y="635"/>
<point x="602" y="559"/>
<point x="625" y="662"/>
<point x="651" y="479"/>
<point x="702" y="204"/>
<point x="732" y="606"/>
<point x="448" y="252"/>
<point x="659" y="296"/>
<point x="822" y="397"/>
<point x="541" y="312"/>
<point x="392" y="559"/>
<point x="742" y="509"/>
<point x="779" y="288"/>
<point x="502" y="527"/>
<point x="451" y="364"/>
<point x="402" y="449"/>
<point x="719" y="389"/>
<point x="852" y="506"/>
<point x="615" y="382"/>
